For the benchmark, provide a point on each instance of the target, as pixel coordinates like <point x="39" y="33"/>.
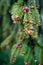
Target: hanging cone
<point x="26" y="9"/>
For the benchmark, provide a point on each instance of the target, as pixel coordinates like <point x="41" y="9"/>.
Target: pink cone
<point x="19" y="47"/>
<point x="12" y="17"/>
<point x="26" y="21"/>
<point x="14" y="22"/>
<point x="31" y="28"/>
<point x="17" y="44"/>
<point x="26" y="8"/>
<point x="17" y="17"/>
<point x="39" y="64"/>
<point x="26" y="63"/>
<point x="29" y="32"/>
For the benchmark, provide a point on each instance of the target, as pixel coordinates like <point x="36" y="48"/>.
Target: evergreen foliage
<point x="21" y="33"/>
